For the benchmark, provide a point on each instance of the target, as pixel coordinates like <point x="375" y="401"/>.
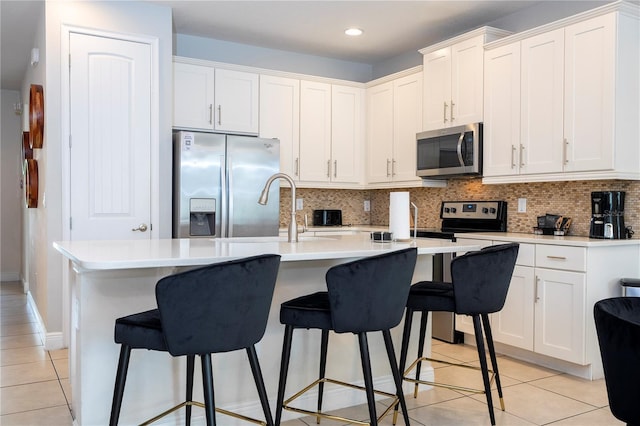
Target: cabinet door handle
<point x="210" y="113"/>
<point x="328" y="168"/>
<point x="513" y="155"/>
<point x="388" y="162"/>
<point x="557" y="257"/>
<point x="219" y="115"/>
<point x="452" y="105"/>
<point x="537" y="297"/>
<point x="335" y="168"/>
<point x="393" y="168"/>
<point x="297" y="168"/>
<point x="521" y="155"/>
<point x="565" y="153"/>
<point x="444" y="112"/>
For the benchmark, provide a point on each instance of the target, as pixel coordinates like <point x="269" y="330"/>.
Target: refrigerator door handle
<point x="223" y="201"/>
<point x="229" y="197"/>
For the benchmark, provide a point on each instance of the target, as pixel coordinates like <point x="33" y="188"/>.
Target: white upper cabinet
<point x="236" y="106"/>
<point x="394" y="116"/>
<point x="578" y="115"/>
<point x="193" y="96"/>
<point x="331" y="133"/>
<point x="207" y="98"/>
<point x="315" y="131"/>
<point x="280" y="118"/>
<point x="453" y="79"/>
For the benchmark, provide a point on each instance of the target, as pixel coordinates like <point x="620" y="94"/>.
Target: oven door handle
<point x="459" y="150"/>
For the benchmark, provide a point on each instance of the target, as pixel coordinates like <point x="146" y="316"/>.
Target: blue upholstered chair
<point x="217" y="308"/>
<point x="363" y="296"/>
<point x="480" y="281"/>
<point x="618" y="327"/>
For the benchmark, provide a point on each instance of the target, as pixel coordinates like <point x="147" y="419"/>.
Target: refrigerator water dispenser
<point x="202" y="217"/>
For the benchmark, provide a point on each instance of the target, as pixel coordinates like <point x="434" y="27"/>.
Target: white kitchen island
<point x="110" y="279"/>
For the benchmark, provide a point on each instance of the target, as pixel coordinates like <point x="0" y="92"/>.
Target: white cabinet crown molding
<point x="624" y="7"/>
<point x="490" y="32"/>
<point x="393" y="76"/>
<point x="265" y="71"/>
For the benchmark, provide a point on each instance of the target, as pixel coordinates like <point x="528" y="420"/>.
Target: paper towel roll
<point x="399" y="215"/>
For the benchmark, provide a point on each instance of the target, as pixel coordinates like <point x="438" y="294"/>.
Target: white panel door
<point x="407" y="121"/>
<point x="437" y="89"/>
<point x="236" y="106"/>
<point x="466" y="82"/>
<point x="193" y="96"/>
<point x="513" y="324"/>
<point x="379" y="132"/>
<point x="110" y="96"/>
<point x="346" y="133"/>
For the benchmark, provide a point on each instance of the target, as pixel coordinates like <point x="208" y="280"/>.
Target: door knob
<point x="141" y="228"/>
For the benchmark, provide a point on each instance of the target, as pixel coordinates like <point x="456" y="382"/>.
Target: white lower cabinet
<point x="549" y="307"/>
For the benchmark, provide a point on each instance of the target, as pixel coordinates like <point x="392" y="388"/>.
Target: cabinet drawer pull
<point x="513" y="155"/>
<point x="556" y="257"/>
<point x="210" y="113"/>
<point x="220" y="115"/>
<point x="452" y="105"/>
<point x="444" y="112"/>
<point x="388" y="162"/>
<point x="335" y="168"/>
<point x="537" y="297"/>
<point x="521" y="155"/>
<point x="565" y="153"/>
<point x="328" y="168"/>
<point x="297" y="167"/>
<point x="393" y="168"/>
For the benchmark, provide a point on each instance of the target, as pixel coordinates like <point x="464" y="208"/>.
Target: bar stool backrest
<point x="370" y="294"/>
<point x="217" y="308"/>
<point x="481" y="278"/>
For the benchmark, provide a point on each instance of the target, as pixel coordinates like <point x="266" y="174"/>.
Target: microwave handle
<point x="459" y="149"/>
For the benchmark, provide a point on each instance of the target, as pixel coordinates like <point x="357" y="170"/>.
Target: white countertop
<point x="567" y="240"/>
<point x="112" y="255"/>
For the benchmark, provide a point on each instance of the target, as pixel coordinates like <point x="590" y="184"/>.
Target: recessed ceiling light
<point x="353" y="31"/>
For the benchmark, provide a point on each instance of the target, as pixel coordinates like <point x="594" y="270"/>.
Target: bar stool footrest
<point x="320" y="414"/>
<point x="201" y="405"/>
<point x="445" y="385"/>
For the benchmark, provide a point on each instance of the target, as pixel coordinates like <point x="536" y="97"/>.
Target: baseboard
<point x="9" y="276"/>
<point x="51" y="340"/>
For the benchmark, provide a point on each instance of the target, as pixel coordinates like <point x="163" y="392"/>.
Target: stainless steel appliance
<point x="451" y="152"/>
<point x="217" y="180"/>
<point x="607" y="215"/>
<point x="458" y="217"/>
<point x="327" y="218"/>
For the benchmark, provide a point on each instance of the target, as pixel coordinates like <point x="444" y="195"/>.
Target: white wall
<point x="11" y="193"/>
<point x="260" y="57"/>
<point x="49" y="222"/>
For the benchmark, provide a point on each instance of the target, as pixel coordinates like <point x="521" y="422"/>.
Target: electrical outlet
<point x="522" y="205"/>
<point x="367" y="205"/>
<point x="299" y="204"/>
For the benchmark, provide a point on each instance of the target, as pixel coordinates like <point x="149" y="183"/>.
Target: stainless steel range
<point x="458" y="217"/>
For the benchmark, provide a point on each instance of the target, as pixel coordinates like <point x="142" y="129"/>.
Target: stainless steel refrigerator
<point x="217" y="180"/>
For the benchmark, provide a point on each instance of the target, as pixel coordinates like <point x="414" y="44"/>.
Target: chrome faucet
<point x="264" y="197"/>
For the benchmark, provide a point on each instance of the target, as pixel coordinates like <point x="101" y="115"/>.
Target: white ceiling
<point x="390" y="28"/>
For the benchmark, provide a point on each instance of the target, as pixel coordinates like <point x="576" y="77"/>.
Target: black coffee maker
<point x="607" y="215"/>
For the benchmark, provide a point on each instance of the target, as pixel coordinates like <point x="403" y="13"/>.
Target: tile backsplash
<point x="571" y="199"/>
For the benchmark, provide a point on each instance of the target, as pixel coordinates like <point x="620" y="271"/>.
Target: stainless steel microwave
<point x="451" y="152"/>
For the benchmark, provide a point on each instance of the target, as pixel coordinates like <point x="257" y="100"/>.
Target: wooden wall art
<point x="27" y="152"/>
<point x="36" y="116"/>
<point x="31" y="183"/>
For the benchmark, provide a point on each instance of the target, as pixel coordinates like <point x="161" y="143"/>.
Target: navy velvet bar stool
<point x="480" y="281"/>
<point x="217" y="308"/>
<point x="618" y="328"/>
<point x="363" y="296"/>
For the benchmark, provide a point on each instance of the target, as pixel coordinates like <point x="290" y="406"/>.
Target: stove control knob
<point x="446" y="209"/>
<point x="492" y="210"/>
<point x="485" y="210"/>
<point x="453" y="209"/>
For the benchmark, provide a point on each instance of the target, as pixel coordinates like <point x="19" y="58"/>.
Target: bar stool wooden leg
<point x="284" y="368"/>
<point x="323" y="368"/>
<point x="207" y="382"/>
<point x="492" y="354"/>
<point x="191" y="359"/>
<point x="368" y="379"/>
<point x="121" y="378"/>
<point x="397" y="376"/>
<point x="257" y="377"/>
<point x="477" y="327"/>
